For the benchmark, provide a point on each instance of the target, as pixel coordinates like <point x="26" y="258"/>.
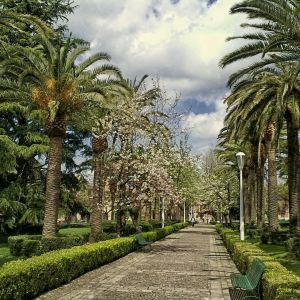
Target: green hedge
<point x="277" y="283"/>
<point x="293" y="245"/>
<point x="25" y="279"/>
<point x="29" y="278"/>
<point x="30" y="245"/>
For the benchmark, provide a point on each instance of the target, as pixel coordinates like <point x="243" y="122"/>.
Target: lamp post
<point x="184" y="211"/>
<point x="241" y="159"/>
<point x="163" y="212"/>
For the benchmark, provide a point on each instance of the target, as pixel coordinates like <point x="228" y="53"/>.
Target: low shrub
<point x="218" y="228"/>
<point x="73" y="225"/>
<point x="15" y="243"/>
<point x="278" y="237"/>
<point x="54" y="243"/>
<point x="265" y="237"/>
<point x="109" y="226"/>
<point x="293" y="245"/>
<point x="146" y="227"/>
<point x="286" y="293"/>
<point x="251" y="233"/>
<point x="29" y="278"/>
<point x="275" y="238"/>
<point x="29" y="245"/>
<point x="275" y="279"/>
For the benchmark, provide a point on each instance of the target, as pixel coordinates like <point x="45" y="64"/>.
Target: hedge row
<point x="25" y="279"/>
<point x="278" y="283"/>
<point x="30" y="245"/>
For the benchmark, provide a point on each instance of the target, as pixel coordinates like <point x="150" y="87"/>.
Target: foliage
<point x="53" y="12"/>
<point x="218" y="184"/>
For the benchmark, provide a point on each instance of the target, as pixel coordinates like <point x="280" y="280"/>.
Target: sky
<point x="179" y="41"/>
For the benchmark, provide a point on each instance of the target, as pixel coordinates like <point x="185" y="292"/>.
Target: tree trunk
<point x="298" y="218"/>
<point x="53" y="185"/>
<point x="260" y="197"/>
<point x="157" y="210"/>
<point x="253" y="196"/>
<point x="99" y="146"/>
<point x="113" y="193"/>
<point x="121" y="221"/>
<point x="293" y="173"/>
<point x="96" y="214"/>
<point x="247" y="198"/>
<point x="272" y="179"/>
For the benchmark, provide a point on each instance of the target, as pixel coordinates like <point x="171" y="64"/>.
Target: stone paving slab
<point x="188" y="265"/>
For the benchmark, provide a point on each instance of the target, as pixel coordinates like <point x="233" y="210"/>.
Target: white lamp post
<point x="184" y="211"/>
<point x="241" y="159"/>
<point x="163" y="212"/>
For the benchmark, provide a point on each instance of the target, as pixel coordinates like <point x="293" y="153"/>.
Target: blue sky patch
<point x="196" y="106"/>
<point x="211" y="2"/>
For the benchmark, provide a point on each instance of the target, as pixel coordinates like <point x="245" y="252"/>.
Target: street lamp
<point x="163" y="213"/>
<point x="241" y="159"/>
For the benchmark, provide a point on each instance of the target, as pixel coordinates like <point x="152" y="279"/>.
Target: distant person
<point x="193" y="220"/>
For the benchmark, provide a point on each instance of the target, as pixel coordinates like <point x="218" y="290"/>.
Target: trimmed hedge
<point x="30" y="245"/>
<point x="25" y="279"/>
<point x="293" y="245"/>
<point x="29" y="278"/>
<point x="277" y="283"/>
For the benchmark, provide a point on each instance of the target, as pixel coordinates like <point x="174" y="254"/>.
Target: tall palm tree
<point x="259" y="101"/>
<point x="50" y="79"/>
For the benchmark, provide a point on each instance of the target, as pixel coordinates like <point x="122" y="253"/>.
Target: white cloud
<point x="181" y="44"/>
<point x="204" y="128"/>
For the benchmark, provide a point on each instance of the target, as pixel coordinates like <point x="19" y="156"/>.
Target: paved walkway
<point x="189" y="265"/>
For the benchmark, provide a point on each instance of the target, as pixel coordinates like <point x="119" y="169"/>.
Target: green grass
<point x="280" y="253"/>
<point x="74" y="231"/>
<point x="5" y="255"/>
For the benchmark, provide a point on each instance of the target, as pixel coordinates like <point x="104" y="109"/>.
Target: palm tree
<point x="51" y="80"/>
<point x="258" y="102"/>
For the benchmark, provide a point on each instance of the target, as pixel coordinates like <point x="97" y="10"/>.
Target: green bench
<point x="246" y="287"/>
<point x="141" y="241"/>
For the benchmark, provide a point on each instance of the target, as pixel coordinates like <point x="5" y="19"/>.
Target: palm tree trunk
<point x="298" y="218"/>
<point x="260" y="198"/>
<point x="254" y="202"/>
<point x="96" y="214"/>
<point x="293" y="173"/>
<point x="53" y="185"/>
<point x="99" y="145"/>
<point x="272" y="180"/>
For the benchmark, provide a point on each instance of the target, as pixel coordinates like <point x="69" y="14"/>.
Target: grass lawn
<point x="5" y="255"/>
<point x="280" y="253"/>
<point x="74" y="231"/>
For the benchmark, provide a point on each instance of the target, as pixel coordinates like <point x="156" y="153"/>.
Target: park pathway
<point x="189" y="265"/>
